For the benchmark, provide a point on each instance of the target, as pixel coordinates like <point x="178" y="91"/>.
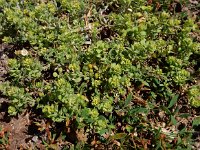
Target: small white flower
<point x="24" y="52"/>
<point x="129" y="9"/>
<point x="135" y="134"/>
<point x="90" y="26"/>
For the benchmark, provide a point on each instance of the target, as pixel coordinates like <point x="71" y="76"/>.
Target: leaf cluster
<point x="111" y="65"/>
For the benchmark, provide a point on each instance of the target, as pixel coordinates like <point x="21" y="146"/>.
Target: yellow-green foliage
<point x="109" y="64"/>
<point x="194" y="96"/>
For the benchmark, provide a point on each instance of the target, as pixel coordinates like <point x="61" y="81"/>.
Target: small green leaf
<point x="139" y="110"/>
<point x="128" y="99"/>
<point x="179" y="140"/>
<point x="143" y="33"/>
<point x="196" y="121"/>
<point x="165" y="109"/>
<point x="55" y="74"/>
<point x="77" y="80"/>
<point x="118" y="136"/>
<point x="173" y="101"/>
<point x="129" y="128"/>
<point x="103" y="131"/>
<point x="173" y="120"/>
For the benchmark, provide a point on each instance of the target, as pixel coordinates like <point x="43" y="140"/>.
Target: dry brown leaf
<point x="81" y="135"/>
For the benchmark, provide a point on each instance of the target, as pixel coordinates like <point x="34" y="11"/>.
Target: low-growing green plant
<point x="194" y="96"/>
<point x="4" y="138"/>
<point x="107" y="64"/>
